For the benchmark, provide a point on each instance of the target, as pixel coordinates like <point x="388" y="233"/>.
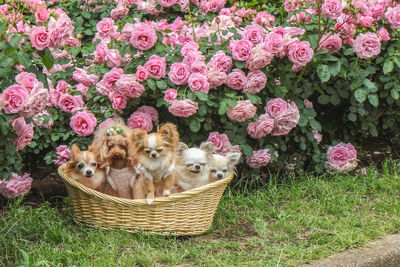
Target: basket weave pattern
<point x="187" y="213"/>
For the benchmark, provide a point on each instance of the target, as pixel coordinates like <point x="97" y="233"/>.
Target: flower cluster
<point x="342" y="157"/>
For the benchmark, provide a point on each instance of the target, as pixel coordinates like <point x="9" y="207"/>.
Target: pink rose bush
<point x="16" y="186"/>
<point x="223" y="68"/>
<point x="341" y="158"/>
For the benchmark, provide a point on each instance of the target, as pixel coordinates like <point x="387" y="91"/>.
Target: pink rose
<point x="308" y="103"/>
<point x="118" y="100"/>
<point x="24" y="133"/>
<point x="259" y="59"/>
<point x="367" y="45"/>
<point x="141" y="74"/>
<point x="26" y="79"/>
<point x="317" y="136"/>
<point x="167" y="3"/>
<point x="16" y="97"/>
<point x="60" y="30"/>
<point x="192" y="56"/>
<point x="128" y="86"/>
<point x="259" y="159"/>
<point x="236" y="80"/>
<point x="332" y="8"/>
<point x="179" y="73"/>
<point x="189" y="47"/>
<point x="220" y="141"/>
<point x="42" y="15"/>
<point x="254" y="33"/>
<point x="81" y="76"/>
<point x="170" y="95"/>
<point x="276" y="107"/>
<point x="241" y="49"/>
<point x="300" y="53"/>
<point x="392" y="15"/>
<point x="70" y="103"/>
<point x="183" y="108"/>
<point x="143" y="36"/>
<point x="221" y="62"/>
<point x="365" y="21"/>
<point x="243" y="110"/>
<point x="36" y="102"/>
<point x="285" y="122"/>
<point x="256" y="81"/>
<point x="156" y="66"/>
<point x="126" y="32"/>
<point x="262" y="127"/>
<point x="216" y="78"/>
<point x="113" y="58"/>
<point x="105" y="27"/>
<point x="198" y="67"/>
<point x="119" y="12"/>
<point x="100" y="53"/>
<point x="140" y="120"/>
<point x="111" y="77"/>
<point x="39" y="37"/>
<point x="330" y="42"/>
<point x="83" y="123"/>
<point x="16" y="185"/>
<point x="63" y="155"/>
<point x="383" y="34"/>
<point x="198" y="82"/>
<point x="63" y="86"/>
<point x="149" y="110"/>
<point x="274" y="43"/>
<point x="43" y="119"/>
<point x="342" y="157"/>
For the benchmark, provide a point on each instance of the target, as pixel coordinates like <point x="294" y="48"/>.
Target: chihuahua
<point x="155" y="153"/>
<point x="84" y="169"/>
<point x="192" y="166"/>
<point x="223" y="166"/>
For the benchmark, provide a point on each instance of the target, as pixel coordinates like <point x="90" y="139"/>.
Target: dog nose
<point x="220" y="176"/>
<point x="198" y="167"/>
<point x="89" y="172"/>
<point x="154" y="154"/>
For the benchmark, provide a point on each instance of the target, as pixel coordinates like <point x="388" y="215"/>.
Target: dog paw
<point x="166" y="192"/>
<point x="149" y="200"/>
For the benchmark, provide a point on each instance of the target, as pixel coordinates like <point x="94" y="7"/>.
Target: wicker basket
<point x="187" y="213"/>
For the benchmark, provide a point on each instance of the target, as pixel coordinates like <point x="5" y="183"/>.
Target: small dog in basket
<point x="156" y="154"/>
<point x="111" y="147"/>
<point x="192" y="166"/>
<point x="84" y="169"/>
<point x="223" y="166"/>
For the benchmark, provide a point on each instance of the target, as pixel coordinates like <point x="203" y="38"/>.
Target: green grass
<point x="283" y="224"/>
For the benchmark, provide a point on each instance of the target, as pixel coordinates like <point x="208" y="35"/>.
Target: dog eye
<point x="213" y="171"/>
<point x="147" y="150"/>
<point x="202" y="164"/>
<point x="159" y="150"/>
<point x="110" y="146"/>
<point x="224" y="170"/>
<point x="94" y="164"/>
<point x="189" y="165"/>
<point x="80" y="165"/>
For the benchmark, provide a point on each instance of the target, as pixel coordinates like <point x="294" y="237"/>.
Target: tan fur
<point x="87" y="159"/>
<point x="155" y="152"/>
<point x="113" y="153"/>
<point x="223" y="166"/>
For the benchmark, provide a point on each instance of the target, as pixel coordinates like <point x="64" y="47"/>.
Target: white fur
<point x="152" y="142"/>
<point x="189" y="180"/>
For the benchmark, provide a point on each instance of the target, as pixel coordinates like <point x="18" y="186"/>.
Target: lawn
<point x="285" y="223"/>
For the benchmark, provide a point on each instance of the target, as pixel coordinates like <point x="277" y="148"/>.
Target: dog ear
<point x="137" y="137"/>
<point x="233" y="158"/>
<point x="208" y="147"/>
<point x="74" y="151"/>
<point x="181" y="147"/>
<point x="100" y="150"/>
<point x="170" y="133"/>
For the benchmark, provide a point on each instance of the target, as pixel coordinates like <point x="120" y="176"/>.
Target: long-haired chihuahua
<point x="155" y="153"/>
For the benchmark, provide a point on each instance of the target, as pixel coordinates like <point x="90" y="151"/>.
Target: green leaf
<point x="356" y="84"/>
<point x="323" y="73"/>
<point x="334" y="68"/>
<point x="201" y="95"/>
<point x="152" y="84"/>
<point x="86" y="14"/>
<point x="395" y="94"/>
<point x="373" y="99"/>
<point x="324" y="99"/>
<point x="335" y="99"/>
<point x="361" y="95"/>
<point x="388" y="66"/>
<point x="223" y="108"/>
<point x="24" y="59"/>
<point x="397" y="61"/>
<point x="48" y="59"/>
<point x="194" y="126"/>
<point x="315" y="125"/>
<point x="352" y="117"/>
<point x="162" y="85"/>
<point x="15" y="40"/>
<point x="370" y="85"/>
<point x="247" y="150"/>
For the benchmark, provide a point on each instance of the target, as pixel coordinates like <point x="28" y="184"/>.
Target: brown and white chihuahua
<point x="155" y="153"/>
<point x="83" y="168"/>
